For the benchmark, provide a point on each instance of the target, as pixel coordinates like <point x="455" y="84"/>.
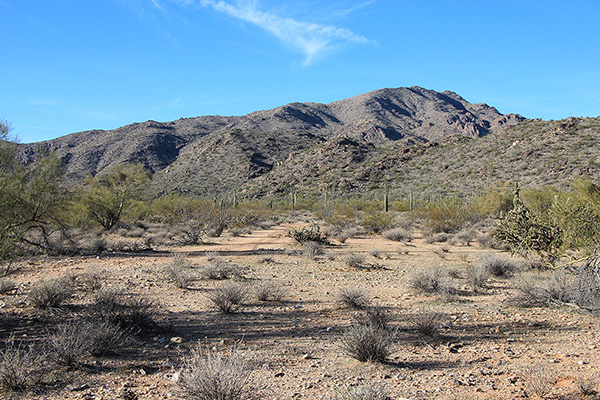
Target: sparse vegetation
<point x="498" y="266"/>
<point x="426" y="322"/>
<point x="312" y="250"/>
<point x="398" y="235"/>
<point x="228" y="298"/>
<point x="211" y="375"/>
<point x="432" y="279"/>
<point x="178" y="271"/>
<point x="51" y="293"/>
<point x="355" y="261"/>
<point x="367" y="343"/>
<point x="21" y="366"/>
<point x="268" y="291"/>
<point x="354" y="298"/>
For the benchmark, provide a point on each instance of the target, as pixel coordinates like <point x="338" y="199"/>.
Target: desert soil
<point x="485" y="349"/>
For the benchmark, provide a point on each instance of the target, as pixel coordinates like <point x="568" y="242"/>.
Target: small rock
<point x="177" y="339"/>
<point x="77" y="388"/>
<point x="279" y="374"/>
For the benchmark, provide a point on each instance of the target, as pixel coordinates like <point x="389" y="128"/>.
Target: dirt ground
<point x="485" y="349"/>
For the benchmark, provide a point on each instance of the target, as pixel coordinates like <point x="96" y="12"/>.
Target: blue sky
<point x="74" y="65"/>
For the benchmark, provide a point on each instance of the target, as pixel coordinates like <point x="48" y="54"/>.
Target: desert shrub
<point x="441" y="237"/>
<point x="376" y="253"/>
<point x="311" y="234"/>
<point x="587" y="385"/>
<point x="498" y="266"/>
<point x="426" y="322"/>
<point x="268" y="291"/>
<point x="355" y="261"/>
<point x="215" y="376"/>
<point x="477" y="276"/>
<point x="51" y="293"/>
<point x="178" y="272"/>
<point x="376" y="221"/>
<point x="371" y="392"/>
<point x="464" y="236"/>
<point x="448" y="217"/>
<point x="21" y="366"/>
<point x="525" y="231"/>
<point x="585" y="287"/>
<point x="66" y="346"/>
<point x="398" y="235"/>
<point x="91" y="280"/>
<point x="367" y="342"/>
<point x="130" y="313"/>
<point x="430" y="280"/>
<point x="312" y="250"/>
<point x="6" y="285"/>
<point x="376" y="316"/>
<point x="354" y="298"/>
<point x="539" y="380"/>
<point x="228" y="298"/>
<point x="217" y="269"/>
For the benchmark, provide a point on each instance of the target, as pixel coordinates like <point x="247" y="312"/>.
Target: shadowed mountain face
<point x="213" y="154"/>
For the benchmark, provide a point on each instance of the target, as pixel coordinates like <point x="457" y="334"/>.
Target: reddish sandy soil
<point x="485" y="349"/>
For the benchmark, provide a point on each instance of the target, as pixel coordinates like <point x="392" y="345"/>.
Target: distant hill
<point x="215" y="154"/>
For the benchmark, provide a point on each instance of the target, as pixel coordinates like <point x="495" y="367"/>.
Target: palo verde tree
<point x="108" y="197"/>
<point x="31" y="196"/>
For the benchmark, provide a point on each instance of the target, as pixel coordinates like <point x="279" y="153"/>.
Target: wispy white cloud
<point x="311" y="39"/>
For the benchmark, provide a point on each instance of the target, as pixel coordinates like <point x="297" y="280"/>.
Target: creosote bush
<point x="354" y="298"/>
<point x="216" y="376"/>
<point x="51" y="293"/>
<point x="477" y="276"/>
<point x="367" y="343"/>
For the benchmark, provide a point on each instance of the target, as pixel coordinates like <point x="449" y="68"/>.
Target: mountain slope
<point x="213" y="154"/>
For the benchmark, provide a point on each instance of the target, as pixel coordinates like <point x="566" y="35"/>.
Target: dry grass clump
<point x="441" y="237"/>
<point x="218" y="269"/>
<point x="539" y="380"/>
<point x="228" y="298"/>
<point x="431" y="280"/>
<point x="312" y="250"/>
<point x="376" y="316"/>
<point x="268" y="291"/>
<point x="6" y="285"/>
<point x="367" y="343"/>
<point x="427" y="322"/>
<point x="371" y="392"/>
<point x="499" y="266"/>
<point x="133" y="314"/>
<point x="21" y="366"/>
<point x="51" y="293"/>
<point x="587" y="385"/>
<point x="74" y="339"/>
<point x="477" y="276"/>
<point x="355" y="261"/>
<point x="178" y="271"/>
<point x="215" y="376"/>
<point x="398" y="235"/>
<point x="354" y="298"/>
<point x="377" y="254"/>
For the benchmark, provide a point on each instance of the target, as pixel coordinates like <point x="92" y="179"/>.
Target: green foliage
<point x="107" y="198"/>
<point x="30" y="197"/>
<point x="525" y="231"/>
<point x="310" y="234"/>
<point x="448" y="216"/>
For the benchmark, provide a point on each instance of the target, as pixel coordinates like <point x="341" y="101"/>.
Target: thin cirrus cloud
<point x="312" y="40"/>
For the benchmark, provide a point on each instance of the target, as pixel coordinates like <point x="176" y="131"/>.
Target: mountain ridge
<point x="211" y="154"/>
